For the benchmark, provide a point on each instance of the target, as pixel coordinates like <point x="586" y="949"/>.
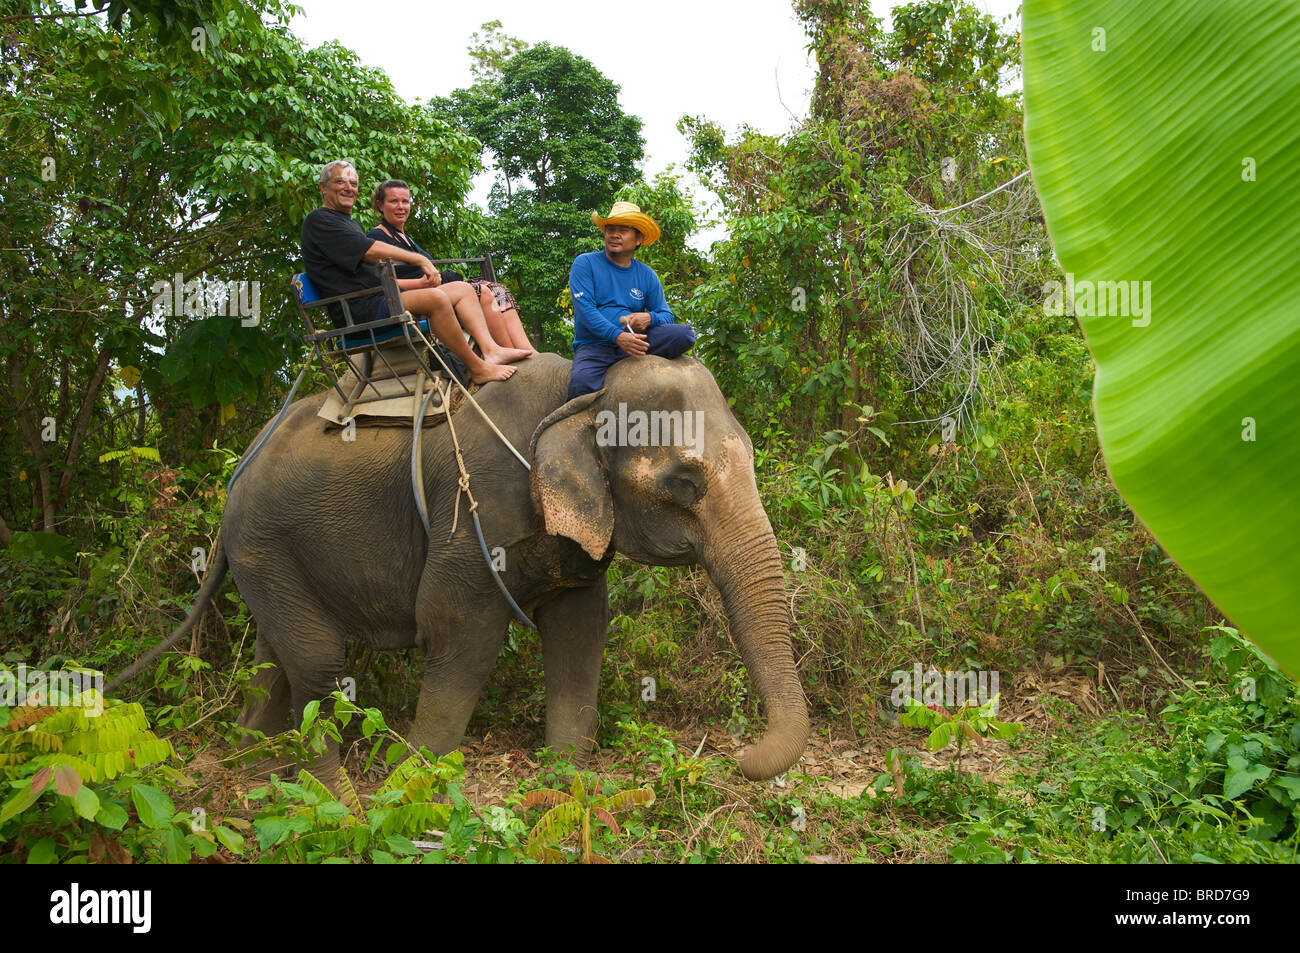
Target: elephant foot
<point x="577" y="754"/>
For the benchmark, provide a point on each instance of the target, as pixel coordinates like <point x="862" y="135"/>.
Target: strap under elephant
<point x="462" y="485"/>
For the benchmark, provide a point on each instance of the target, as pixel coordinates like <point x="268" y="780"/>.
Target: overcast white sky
<point x="733" y="62"/>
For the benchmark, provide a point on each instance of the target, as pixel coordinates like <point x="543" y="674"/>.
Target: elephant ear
<point x="570" y="488"/>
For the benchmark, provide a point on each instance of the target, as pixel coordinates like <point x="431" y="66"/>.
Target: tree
<point x="562" y="146"/>
<point x="842" y="284"/>
<point x="129" y="163"/>
<point x="489" y="50"/>
<point x="174" y="24"/>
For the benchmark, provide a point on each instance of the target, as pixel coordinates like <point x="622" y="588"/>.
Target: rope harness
<point x="417" y="430"/>
<point x="462" y="482"/>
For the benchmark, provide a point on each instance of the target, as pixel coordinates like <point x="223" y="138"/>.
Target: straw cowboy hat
<point x="625" y="213"/>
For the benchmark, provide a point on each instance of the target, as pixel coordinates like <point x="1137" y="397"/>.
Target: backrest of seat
<point x="303" y="288"/>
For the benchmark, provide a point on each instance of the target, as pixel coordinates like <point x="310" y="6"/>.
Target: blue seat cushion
<point x="382" y="334"/>
<point x="304" y="289"/>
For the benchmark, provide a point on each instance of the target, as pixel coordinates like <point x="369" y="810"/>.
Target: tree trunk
<point x="539" y="328"/>
<point x="81" y="426"/>
<point x="142" y="415"/>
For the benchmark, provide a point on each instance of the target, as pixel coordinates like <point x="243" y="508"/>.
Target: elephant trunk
<point x="742" y="558"/>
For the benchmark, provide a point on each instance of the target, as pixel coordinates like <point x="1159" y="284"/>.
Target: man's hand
<point x="633" y="345"/>
<point x="638" y="321"/>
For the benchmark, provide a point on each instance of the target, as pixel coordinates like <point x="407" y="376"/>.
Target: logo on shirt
<point x="580" y="294"/>
<point x="638" y="294"/>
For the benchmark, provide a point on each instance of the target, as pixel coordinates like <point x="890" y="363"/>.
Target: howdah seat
<point x="384" y="357"/>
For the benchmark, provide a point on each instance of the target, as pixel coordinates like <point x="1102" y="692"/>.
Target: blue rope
<point x="519" y="613"/>
<point x="248" y="457"/>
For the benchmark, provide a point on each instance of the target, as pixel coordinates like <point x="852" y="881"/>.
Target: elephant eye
<point x="686" y="485"/>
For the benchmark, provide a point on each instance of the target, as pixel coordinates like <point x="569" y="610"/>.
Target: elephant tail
<point x="216" y="572"/>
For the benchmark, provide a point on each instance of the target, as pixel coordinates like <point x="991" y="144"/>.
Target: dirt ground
<point x="847" y="766"/>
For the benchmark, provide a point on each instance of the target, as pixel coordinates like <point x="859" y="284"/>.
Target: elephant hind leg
<point x="308" y="651"/>
<point x="267" y="706"/>
<point x="266" y="709"/>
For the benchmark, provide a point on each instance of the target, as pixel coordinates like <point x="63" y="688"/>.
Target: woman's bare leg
<point x="494" y="318"/>
<point x="435" y="304"/>
<point x="506" y="325"/>
<point x="470" y="314"/>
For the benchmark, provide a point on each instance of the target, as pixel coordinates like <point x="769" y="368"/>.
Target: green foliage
<point x="838" y="283"/>
<point x="1195" y="409"/>
<point x="967" y="723"/>
<point x="490" y="50"/>
<point x="132" y="453"/>
<point x="572" y="812"/>
<point x="98" y="768"/>
<point x="173" y="24"/>
<point x="96" y="746"/>
<point x="307" y="822"/>
<point x="1217" y="780"/>
<point x="106" y="602"/>
<point x="36" y="572"/>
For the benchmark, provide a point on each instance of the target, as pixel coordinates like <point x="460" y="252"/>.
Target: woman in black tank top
<point x="392" y="200"/>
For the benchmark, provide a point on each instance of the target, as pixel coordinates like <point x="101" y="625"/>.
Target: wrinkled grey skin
<point x="326" y="546"/>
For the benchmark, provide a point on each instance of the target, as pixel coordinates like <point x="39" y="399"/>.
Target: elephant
<point x="324" y="541"/>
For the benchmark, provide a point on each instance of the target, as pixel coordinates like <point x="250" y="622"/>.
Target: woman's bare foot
<point x="490" y="372"/>
<point x="506" y="355"/>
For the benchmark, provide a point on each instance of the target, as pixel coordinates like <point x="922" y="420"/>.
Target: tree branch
<point x="68" y="14"/>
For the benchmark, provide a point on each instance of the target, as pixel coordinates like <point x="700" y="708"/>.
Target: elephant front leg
<point x="572" y="627"/>
<point x="459" y="658"/>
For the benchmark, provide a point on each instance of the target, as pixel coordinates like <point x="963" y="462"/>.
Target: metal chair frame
<point x="360" y="356"/>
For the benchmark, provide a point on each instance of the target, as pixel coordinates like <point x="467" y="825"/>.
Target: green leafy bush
<point x="306" y="822"/>
<point x="73" y="780"/>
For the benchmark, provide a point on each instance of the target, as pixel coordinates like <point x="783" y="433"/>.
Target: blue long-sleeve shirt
<point x="604" y="292"/>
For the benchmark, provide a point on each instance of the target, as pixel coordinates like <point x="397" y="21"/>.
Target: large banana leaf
<point x="1166" y="149"/>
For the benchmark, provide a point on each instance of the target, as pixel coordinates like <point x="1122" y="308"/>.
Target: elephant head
<point x="657" y="467"/>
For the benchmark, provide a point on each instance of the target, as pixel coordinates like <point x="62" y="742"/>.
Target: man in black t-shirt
<point x="333" y="249"/>
<point x="339" y="258"/>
